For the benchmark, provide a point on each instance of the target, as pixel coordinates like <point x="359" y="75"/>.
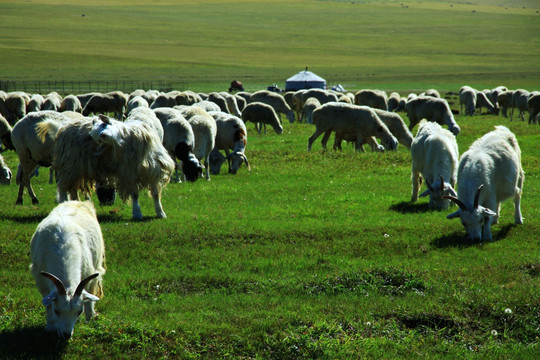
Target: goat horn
<point x="429" y="187"/>
<point x="442" y="183"/>
<point x="247" y="162"/>
<point x="477" y="197"/>
<point x="457" y="201"/>
<point x="104" y="118"/>
<point x="83" y="283"/>
<point x="56" y="281"/>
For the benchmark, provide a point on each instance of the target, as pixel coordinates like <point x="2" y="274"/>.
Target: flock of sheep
<point x="152" y="133"/>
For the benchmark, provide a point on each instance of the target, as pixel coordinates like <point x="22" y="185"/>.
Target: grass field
<point x="209" y="43"/>
<point x="309" y="255"/>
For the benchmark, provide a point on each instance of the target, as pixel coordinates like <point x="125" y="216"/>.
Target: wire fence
<point x="80" y="87"/>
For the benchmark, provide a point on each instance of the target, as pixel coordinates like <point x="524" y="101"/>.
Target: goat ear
<point x="454" y="215"/>
<point x="104" y="118"/>
<point x="425" y="193"/>
<point x="48" y="299"/>
<point x="489" y="212"/>
<point x="86" y="296"/>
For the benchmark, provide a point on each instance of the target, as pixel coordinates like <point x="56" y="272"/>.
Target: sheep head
<point x="290" y="116"/>
<point x="105" y="132"/>
<point x="475" y="218"/>
<point x="5" y="175"/>
<point x="63" y="309"/>
<point x="235" y="160"/>
<point x="436" y="192"/>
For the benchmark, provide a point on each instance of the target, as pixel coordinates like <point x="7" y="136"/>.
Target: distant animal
<point x="432" y="109"/>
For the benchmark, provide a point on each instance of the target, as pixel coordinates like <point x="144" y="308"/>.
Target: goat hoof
<point x="35" y="201"/>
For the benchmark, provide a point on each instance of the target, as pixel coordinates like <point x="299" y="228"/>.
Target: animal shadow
<point x="31" y="343"/>
<point x="407" y="207"/>
<point x="459" y="239"/>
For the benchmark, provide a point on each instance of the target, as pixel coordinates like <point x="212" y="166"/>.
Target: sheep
<point x="5" y="134"/>
<point x="489" y="172"/>
<point x="33" y="138"/>
<point x="207" y="105"/>
<point x="401" y="105"/>
<point x="505" y="101"/>
<point x="519" y="101"/>
<point x="179" y="140"/>
<point x="345" y="99"/>
<point x="84" y="98"/>
<point x="494" y="94"/>
<point x="309" y="106"/>
<point x="274" y="100"/>
<point x="432" y="109"/>
<point x="149" y="117"/>
<point x="205" y="131"/>
<point x="298" y="104"/>
<point x="113" y="102"/>
<point x="218" y="99"/>
<point x="482" y="100"/>
<point x="344" y="118"/>
<point x="534" y="106"/>
<point x="373" y="98"/>
<point x="68" y="255"/>
<point x="35" y="103"/>
<point x="232" y="105"/>
<point x="434" y="153"/>
<point x="135" y="102"/>
<point x="150" y="96"/>
<point x="431" y="92"/>
<point x="288" y="97"/>
<point x="240" y="101"/>
<point x="467" y="100"/>
<point x="6" y="113"/>
<point x="5" y="172"/>
<point x="393" y="122"/>
<point x="53" y="102"/>
<point x="164" y="100"/>
<point x="187" y="97"/>
<point x="16" y="103"/>
<point x="322" y="95"/>
<point x="244" y="94"/>
<point x="393" y="101"/>
<point x="262" y="114"/>
<point x="137" y="92"/>
<point x="127" y="154"/>
<point x="71" y="103"/>
<point x="231" y="135"/>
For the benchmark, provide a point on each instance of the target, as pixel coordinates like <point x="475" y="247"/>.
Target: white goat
<point x="488" y="173"/>
<point x="68" y="255"/>
<point x="434" y="153"/>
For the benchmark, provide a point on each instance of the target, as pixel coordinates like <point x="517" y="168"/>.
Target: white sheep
<point x="33" y="138"/>
<point x="5" y="134"/>
<point x="149" y="117"/>
<point x="261" y="114"/>
<point x="431" y="92"/>
<point x="534" y="106"/>
<point x="35" y="103"/>
<point x="494" y="94"/>
<point x="505" y="101"/>
<point x="323" y="96"/>
<point x="488" y="173"/>
<point x="298" y="104"/>
<point x="232" y="104"/>
<point x="231" y="135"/>
<point x="135" y="102"/>
<point x="343" y="118"/>
<point x="208" y="105"/>
<point x="164" y="100"/>
<point x="84" y="98"/>
<point x="467" y="100"/>
<point x="434" y="153"/>
<point x="127" y="154"/>
<point x="309" y="106"/>
<point x="218" y="99"/>
<point x="16" y="103"/>
<point x="393" y="122"/>
<point x="393" y="101"/>
<point x="519" y="101"/>
<point x="68" y="257"/>
<point x="432" y="109"/>
<point x="5" y="172"/>
<point x="373" y="98"/>
<point x="111" y="102"/>
<point x="482" y="100"/>
<point x="179" y="140"/>
<point x="274" y="100"/>
<point x="71" y="103"/>
<point x="53" y="102"/>
<point x="205" y="131"/>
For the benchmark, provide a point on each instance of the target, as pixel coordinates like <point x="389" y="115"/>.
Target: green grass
<point x="209" y="43"/>
<point x="309" y="255"/>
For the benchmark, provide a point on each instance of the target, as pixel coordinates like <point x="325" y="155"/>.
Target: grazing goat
<point x="434" y="153"/>
<point x="127" y="154"/>
<point x="68" y="255"/>
<point x="488" y="173"/>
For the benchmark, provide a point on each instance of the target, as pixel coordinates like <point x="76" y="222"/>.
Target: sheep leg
<point x="51" y="176"/>
<point x="325" y="138"/>
<point x="337" y="142"/>
<point x="416" y="182"/>
<point x="518" y="219"/>
<point x="136" y="208"/>
<point x="521" y="114"/>
<point x="314" y="137"/>
<point x="156" y="195"/>
<point x="24" y="181"/>
<point x="207" y="167"/>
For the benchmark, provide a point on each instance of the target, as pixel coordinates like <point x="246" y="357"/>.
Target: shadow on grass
<point x="459" y="239"/>
<point x="25" y="219"/>
<point x="31" y="343"/>
<point x="407" y="207"/>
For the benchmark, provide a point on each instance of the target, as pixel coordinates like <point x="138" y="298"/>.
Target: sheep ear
<point x="86" y="296"/>
<point x="425" y="193"/>
<point x="454" y="215"/>
<point x="48" y="300"/>
<point x="104" y="118"/>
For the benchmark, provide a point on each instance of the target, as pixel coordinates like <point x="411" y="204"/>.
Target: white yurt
<point x="305" y="80"/>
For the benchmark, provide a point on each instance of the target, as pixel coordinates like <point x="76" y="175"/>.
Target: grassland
<point x="309" y="255"/>
<point x="208" y="43"/>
